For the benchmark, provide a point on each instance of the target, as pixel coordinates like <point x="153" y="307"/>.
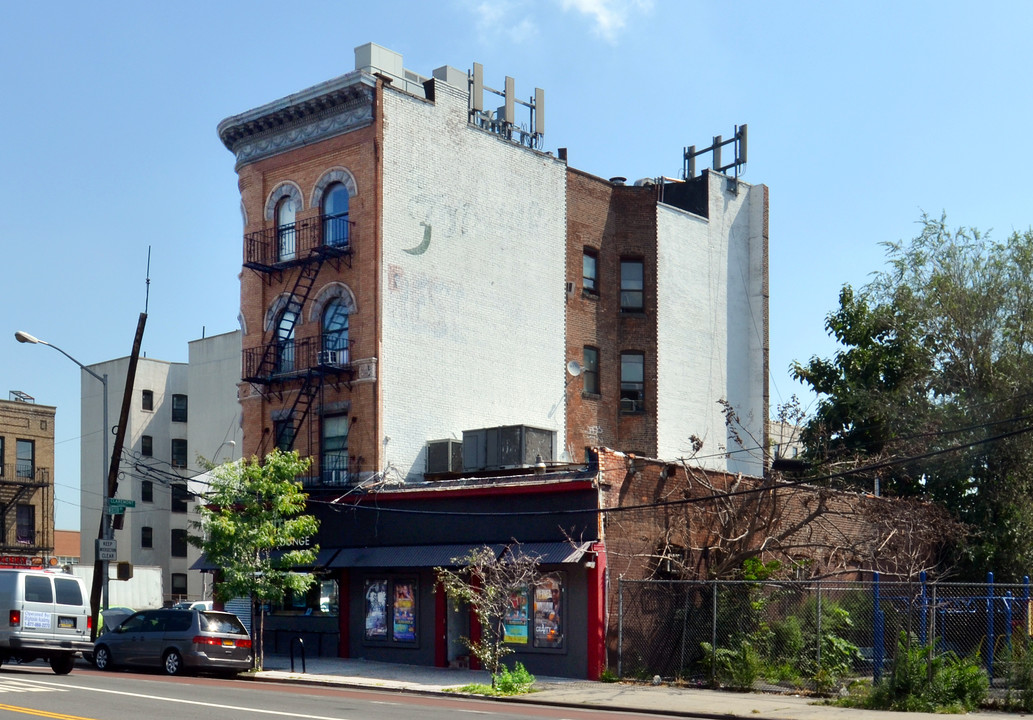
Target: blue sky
<point x="861" y="116"/>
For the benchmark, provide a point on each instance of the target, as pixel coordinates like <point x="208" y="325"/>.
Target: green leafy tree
<point x="488" y="585"/>
<point x="934" y="382"/>
<point x="252" y="512"/>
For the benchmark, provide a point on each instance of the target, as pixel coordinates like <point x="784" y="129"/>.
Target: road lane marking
<point x="41" y="713"/>
<point x="218" y="706"/>
<point x="15" y="686"/>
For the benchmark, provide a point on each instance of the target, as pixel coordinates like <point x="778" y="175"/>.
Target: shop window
<point x="549" y="606"/>
<point x="390" y="609"/>
<point x="535" y="616"/>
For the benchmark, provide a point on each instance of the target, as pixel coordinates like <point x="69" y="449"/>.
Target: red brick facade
<point x="613" y="221"/>
<point x="355" y="151"/>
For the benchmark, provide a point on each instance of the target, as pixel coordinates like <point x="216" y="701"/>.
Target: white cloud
<point x="608" y="16"/>
<point x="507" y="19"/>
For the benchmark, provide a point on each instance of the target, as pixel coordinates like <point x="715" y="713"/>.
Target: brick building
<point x="428" y="295"/>
<point x="26" y="482"/>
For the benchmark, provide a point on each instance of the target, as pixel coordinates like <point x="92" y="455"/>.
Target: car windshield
<point x="222" y="623"/>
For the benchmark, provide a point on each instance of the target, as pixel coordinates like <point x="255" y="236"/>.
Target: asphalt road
<point x="33" y="691"/>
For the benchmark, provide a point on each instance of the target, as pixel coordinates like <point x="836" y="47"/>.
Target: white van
<point x="43" y="615"/>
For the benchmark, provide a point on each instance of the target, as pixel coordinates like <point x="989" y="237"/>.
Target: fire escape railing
<point x="274" y="249"/>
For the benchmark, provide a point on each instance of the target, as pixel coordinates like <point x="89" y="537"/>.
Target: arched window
<point x="285" y="229"/>
<point x="335" y="215"/>
<point x="285" y="341"/>
<point x="335" y="332"/>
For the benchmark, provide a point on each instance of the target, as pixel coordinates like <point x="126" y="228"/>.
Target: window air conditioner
<point x="332" y="357"/>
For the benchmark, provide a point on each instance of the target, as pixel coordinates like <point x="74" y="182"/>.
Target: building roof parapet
<point x="321" y="111"/>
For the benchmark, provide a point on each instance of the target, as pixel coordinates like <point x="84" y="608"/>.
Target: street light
<point x="24" y="337"/>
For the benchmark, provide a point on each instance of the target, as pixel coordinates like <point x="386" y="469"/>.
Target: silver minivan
<point x="47" y="618"/>
<point x="177" y="641"/>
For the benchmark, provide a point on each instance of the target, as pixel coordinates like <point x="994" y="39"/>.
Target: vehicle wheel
<point x="62" y="664"/>
<point x="102" y="658"/>
<point x="173" y="663"/>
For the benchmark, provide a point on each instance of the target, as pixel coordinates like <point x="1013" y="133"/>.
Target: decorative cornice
<point x="332" y="108"/>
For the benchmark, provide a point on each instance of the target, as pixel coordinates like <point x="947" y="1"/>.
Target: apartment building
<point x="180" y="415"/>
<point x="26" y="482"/>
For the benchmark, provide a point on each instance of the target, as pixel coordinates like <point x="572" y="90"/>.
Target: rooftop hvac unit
<point x="507" y="446"/>
<point x="444" y="456"/>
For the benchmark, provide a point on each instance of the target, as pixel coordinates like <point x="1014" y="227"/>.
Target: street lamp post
<point x="24" y="337"/>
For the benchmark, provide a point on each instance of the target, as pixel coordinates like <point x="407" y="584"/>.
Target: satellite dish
<point x="574" y="368"/>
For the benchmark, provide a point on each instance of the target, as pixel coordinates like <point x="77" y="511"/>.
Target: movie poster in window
<point x="515" y="622"/>
<point x="548" y="612"/>
<point x="376" y="609"/>
<point x="404" y="627"/>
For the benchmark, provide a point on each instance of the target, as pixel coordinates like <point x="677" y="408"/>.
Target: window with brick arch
<point x="335" y="332"/>
<point x="285" y="230"/>
<point x="335" y="215"/>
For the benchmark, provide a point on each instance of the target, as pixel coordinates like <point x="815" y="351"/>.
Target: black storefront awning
<point x="323" y="559"/>
<point x="425" y="556"/>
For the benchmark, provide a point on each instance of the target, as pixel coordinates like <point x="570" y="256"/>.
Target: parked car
<point x="176" y="641"/>
<point x="112" y="618"/>
<point x="193" y="605"/>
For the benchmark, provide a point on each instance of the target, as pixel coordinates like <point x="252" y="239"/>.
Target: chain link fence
<point x="814" y="635"/>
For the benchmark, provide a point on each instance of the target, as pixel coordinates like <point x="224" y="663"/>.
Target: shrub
<point x="513" y="682"/>
<point x="951" y="684"/>
<point x="737" y="668"/>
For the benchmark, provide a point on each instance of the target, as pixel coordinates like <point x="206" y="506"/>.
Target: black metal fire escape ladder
<point x="298" y="296"/>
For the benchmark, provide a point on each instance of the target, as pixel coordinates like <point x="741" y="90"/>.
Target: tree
<point x="489" y="585"/>
<point x="252" y="514"/>
<point x="936" y="376"/>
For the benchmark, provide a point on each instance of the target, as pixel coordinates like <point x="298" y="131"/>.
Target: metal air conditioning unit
<point x="333" y="358"/>
<point x="508" y="446"/>
<point x="444" y="456"/>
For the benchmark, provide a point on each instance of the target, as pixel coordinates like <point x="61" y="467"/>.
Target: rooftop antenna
<point x="147" y="296"/>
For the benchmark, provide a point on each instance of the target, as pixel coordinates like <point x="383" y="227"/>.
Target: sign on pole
<point x="107" y="549"/>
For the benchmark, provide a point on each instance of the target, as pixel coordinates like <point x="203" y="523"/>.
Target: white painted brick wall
<point x="709" y="329"/>
<point x="473" y="327"/>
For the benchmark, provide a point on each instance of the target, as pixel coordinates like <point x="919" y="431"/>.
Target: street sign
<point x="116" y="510"/>
<point x="107" y="549"/>
<point x="119" y="502"/>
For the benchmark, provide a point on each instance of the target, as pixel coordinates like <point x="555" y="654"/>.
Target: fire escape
<point x="298" y="250"/>
<point x="25" y="488"/>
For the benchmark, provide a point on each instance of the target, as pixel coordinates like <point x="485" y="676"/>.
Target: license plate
<point x="66" y="622"/>
<point x="227" y="643"/>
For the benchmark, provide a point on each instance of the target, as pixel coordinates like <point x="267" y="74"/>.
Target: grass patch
<point x="508" y="682"/>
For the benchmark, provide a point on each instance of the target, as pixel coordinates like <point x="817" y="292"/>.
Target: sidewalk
<point x="584" y="694"/>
